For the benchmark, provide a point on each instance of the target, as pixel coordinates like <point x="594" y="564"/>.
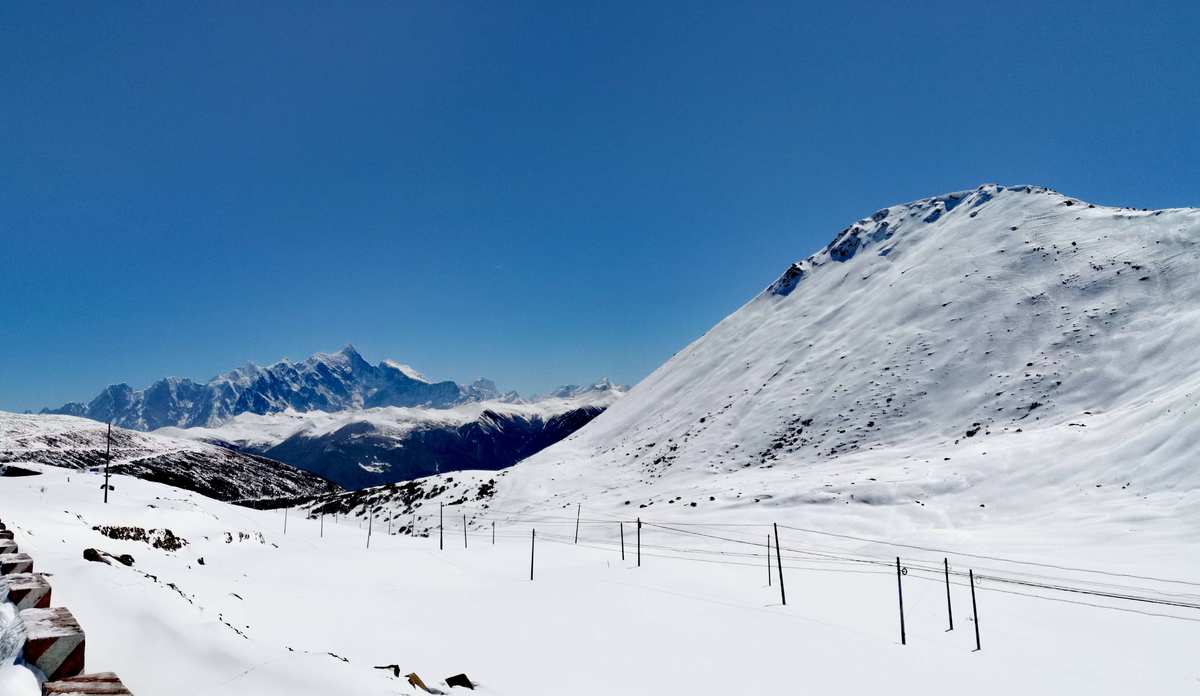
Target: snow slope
<point x="80" y="443"/>
<point x="271" y="613"/>
<point x="995" y="357"/>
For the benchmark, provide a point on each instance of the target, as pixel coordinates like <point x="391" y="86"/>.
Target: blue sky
<point x="539" y="193"/>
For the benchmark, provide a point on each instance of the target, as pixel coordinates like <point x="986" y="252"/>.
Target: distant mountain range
<point x="357" y="424"/>
<point x="324" y="382"/>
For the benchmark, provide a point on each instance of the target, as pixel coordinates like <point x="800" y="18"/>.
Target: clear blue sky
<point x="538" y="193"/>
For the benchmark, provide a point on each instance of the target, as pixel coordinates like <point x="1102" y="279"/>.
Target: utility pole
<point x="949" y="606"/>
<point x="107" y="459"/>
<point x="578" y="509"/>
<point x="779" y="565"/>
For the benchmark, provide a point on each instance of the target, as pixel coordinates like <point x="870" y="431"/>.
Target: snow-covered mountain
<point x="325" y="381"/>
<point x="80" y="443"/>
<point x="961" y="361"/>
<point x="358" y="448"/>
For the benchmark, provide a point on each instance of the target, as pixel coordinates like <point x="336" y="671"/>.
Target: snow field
<point x="697" y="617"/>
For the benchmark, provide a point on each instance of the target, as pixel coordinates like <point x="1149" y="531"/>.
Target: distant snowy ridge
<point x="364" y="447"/>
<point x="324" y="382"/>
<point x="968" y="359"/>
<point x="79" y="443"/>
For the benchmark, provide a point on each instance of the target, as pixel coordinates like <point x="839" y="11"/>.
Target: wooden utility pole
<point x="622" y="540"/>
<point x="578" y="509"/>
<point x="322" y="525"/>
<point x="900" y="593"/>
<point x="949" y="607"/>
<point x="779" y="565"/>
<point x="370" y="524"/>
<point x="532" y="544"/>
<point x="441" y="527"/>
<point x="107" y="459"/>
<point x="285" y="520"/>
<point x="975" y="611"/>
<point x="464" y="530"/>
<point x="639" y="542"/>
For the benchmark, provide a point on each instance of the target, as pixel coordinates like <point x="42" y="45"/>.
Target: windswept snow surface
<point x="262" y="615"/>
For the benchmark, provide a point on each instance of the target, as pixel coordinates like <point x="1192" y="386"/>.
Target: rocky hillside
<point x="78" y="443"/>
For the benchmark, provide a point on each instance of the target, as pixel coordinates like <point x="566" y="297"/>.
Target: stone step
<point x="54" y="642"/>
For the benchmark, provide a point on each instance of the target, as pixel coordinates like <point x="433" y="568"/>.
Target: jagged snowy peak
<point x="325" y="382"/>
<point x="79" y="443"/>
<point x="357" y="448"/>
<point x="969" y="358"/>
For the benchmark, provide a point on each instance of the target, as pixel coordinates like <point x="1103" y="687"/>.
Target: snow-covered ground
<point x="263" y="617"/>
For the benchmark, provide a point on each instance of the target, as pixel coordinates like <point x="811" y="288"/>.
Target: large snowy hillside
<point x="963" y="363"/>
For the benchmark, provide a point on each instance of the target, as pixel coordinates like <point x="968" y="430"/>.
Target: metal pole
<point x="370" y="524"/>
<point x="639" y="541"/>
<point x="464" y="530"/>
<point x="622" y="540"/>
<point x="107" y="459"/>
<point x="493" y="532"/>
<point x="441" y="520"/>
<point x="975" y="611"/>
<point x="949" y="607"/>
<point x="900" y="593"/>
<point x="532" y="544"/>
<point x="322" y="525"/>
<point x="285" y="520"/>
<point x="779" y="565"/>
<point x="578" y="509"/>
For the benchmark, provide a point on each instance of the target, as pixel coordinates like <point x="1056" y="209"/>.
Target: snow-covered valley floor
<point x="296" y="613"/>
